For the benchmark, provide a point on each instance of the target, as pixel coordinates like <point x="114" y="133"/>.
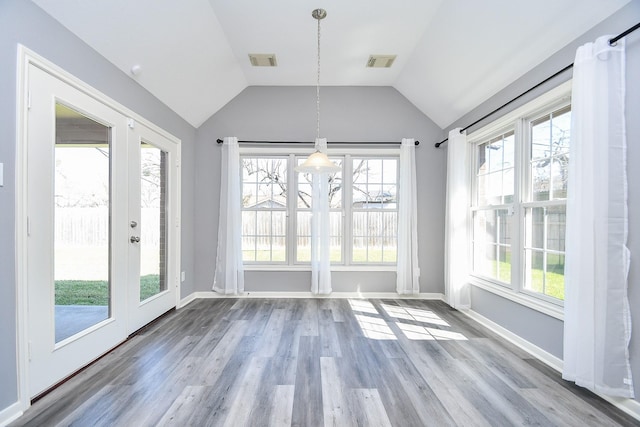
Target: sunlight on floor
<point x="415" y="332"/>
<point x="416" y="314"/>
<point x="375" y="328"/>
<point x="373" y="325"/>
<point x="362" y="306"/>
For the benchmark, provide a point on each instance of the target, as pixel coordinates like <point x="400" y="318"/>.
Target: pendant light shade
<point x="318" y="162"/>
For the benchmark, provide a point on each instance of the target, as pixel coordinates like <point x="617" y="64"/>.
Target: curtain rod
<point x="612" y="42"/>
<point x="219" y="141"/>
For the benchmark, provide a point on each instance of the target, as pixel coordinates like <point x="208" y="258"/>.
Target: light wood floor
<point x="314" y="362"/>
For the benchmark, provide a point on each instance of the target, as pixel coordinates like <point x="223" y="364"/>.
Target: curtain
<point x="229" y="275"/>
<point x="320" y="239"/>
<point x="408" y="271"/>
<point x="456" y="273"/>
<point x="597" y="323"/>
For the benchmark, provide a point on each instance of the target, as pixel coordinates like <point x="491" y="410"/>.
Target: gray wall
<point x="288" y="113"/>
<point x="348" y="114"/>
<point x="533" y="326"/>
<point x="23" y="22"/>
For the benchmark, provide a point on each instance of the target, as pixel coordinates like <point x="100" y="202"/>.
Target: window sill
<point x="337" y="268"/>
<point x="523" y="299"/>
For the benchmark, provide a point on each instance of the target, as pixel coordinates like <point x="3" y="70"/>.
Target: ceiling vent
<point x="263" y="59"/>
<point x="381" y="61"/>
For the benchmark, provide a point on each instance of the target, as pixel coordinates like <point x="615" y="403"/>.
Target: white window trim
<point x="291" y="152"/>
<point x="334" y="267"/>
<point x="515" y="291"/>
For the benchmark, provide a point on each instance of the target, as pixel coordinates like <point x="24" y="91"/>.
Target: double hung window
<point x="546" y="203"/>
<point x="303" y="214"/>
<point x="518" y="203"/>
<point x="374" y="210"/>
<point x="494" y="205"/>
<point x="265" y="193"/>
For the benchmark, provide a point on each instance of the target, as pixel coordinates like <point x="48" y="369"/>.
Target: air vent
<point x="263" y="59"/>
<point x="381" y="61"/>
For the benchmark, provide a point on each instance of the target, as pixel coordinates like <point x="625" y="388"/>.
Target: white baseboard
<point x="334" y="295"/>
<point x="540" y="354"/>
<point x="628" y="406"/>
<point x="10" y="414"/>
<point x="189" y="299"/>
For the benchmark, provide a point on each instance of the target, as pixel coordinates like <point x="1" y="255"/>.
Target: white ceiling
<point x="452" y="54"/>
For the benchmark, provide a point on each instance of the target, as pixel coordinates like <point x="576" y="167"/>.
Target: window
<point x="374" y="210"/>
<point x="494" y="198"/>
<point x="276" y="210"/>
<point x="303" y="214"/>
<point x="264" y="209"/>
<point x="519" y="190"/>
<point x="545" y="206"/>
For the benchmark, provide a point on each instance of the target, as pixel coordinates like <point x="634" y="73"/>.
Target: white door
<point x="86" y="166"/>
<point x="152" y="225"/>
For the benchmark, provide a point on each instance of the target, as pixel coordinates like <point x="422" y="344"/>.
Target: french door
<point x="100" y="243"/>
<point x="152" y="225"/>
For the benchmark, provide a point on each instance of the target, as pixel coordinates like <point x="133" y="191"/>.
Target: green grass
<point x="554" y="286"/>
<point x="554" y="283"/>
<point x="96" y="292"/>
<point x="375" y="255"/>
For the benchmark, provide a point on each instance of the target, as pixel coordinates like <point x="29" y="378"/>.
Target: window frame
<point x="352" y="209"/>
<point x="483" y="138"/>
<point x="293" y="153"/>
<point x="519" y="120"/>
<point x="256" y="210"/>
<point x="527" y="201"/>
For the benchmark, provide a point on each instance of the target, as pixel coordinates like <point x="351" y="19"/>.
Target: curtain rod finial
<point x="438" y="144"/>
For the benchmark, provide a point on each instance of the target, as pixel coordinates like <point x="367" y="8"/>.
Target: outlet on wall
<point x="183" y="276"/>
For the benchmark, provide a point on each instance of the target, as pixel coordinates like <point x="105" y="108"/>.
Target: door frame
<point x="25" y="59"/>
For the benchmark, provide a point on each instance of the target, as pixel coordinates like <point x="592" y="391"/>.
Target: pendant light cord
<point x="318" y="87"/>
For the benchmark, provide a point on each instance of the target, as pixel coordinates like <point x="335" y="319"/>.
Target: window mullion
<point x="544" y="251"/>
<point x="292" y="214"/>
<point x="517" y="252"/>
<point x="347" y="210"/>
<point x="497" y="253"/>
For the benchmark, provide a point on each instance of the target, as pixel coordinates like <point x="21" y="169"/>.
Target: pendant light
<point x="318" y="162"/>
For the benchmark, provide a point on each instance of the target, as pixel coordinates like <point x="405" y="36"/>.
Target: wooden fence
<point x="90" y="226"/>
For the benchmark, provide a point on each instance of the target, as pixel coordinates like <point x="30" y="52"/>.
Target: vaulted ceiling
<point x="451" y="54"/>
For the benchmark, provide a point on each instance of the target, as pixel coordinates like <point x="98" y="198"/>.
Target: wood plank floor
<point x="319" y="362"/>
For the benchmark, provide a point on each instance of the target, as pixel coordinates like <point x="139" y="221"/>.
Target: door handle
<point x="134" y="239"/>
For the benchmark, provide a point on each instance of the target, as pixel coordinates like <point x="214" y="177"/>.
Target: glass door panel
<point x="81" y="222"/>
<point x="153" y="232"/>
<point x="154" y="239"/>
